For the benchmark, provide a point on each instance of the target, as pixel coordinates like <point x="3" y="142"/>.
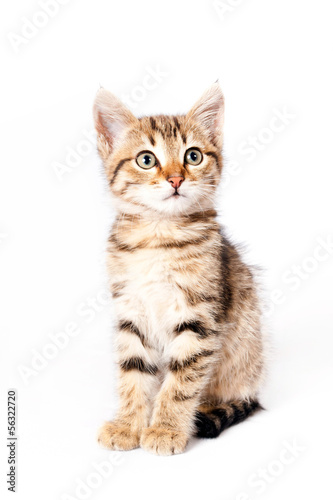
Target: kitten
<point x="188" y="338"/>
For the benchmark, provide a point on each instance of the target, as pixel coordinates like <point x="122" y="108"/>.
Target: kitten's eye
<point x="193" y="156"/>
<point x="146" y="160"/>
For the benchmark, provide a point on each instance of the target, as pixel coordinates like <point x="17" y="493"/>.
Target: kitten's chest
<point x="151" y="292"/>
<point x="157" y="280"/>
<point x="150" y="276"/>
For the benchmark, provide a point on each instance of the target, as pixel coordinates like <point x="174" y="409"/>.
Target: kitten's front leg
<point x="137" y="379"/>
<point x="192" y="356"/>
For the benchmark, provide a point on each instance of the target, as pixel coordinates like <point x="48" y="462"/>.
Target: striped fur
<point x="210" y="422"/>
<point x="188" y="341"/>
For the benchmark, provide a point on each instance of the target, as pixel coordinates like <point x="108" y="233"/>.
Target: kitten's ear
<point x="111" y="119"/>
<point x="209" y="111"/>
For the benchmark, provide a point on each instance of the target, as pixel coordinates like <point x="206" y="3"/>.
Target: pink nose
<point x="176" y="181"/>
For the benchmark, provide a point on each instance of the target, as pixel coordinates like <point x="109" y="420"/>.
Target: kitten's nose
<point x="176" y="181"/>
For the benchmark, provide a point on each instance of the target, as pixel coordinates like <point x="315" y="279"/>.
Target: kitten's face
<point x="164" y="164"/>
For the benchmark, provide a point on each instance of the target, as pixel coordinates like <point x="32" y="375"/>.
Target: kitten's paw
<point x="118" y="437"/>
<point x="163" y="441"/>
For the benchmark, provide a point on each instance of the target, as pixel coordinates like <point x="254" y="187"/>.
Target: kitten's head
<point x="161" y="164"/>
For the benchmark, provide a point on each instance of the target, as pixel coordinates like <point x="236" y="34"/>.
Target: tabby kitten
<point x="188" y="338"/>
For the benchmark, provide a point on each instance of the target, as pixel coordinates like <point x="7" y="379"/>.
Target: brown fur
<point x="189" y="340"/>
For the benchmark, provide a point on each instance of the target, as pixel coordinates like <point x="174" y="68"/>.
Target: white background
<point x="268" y="56"/>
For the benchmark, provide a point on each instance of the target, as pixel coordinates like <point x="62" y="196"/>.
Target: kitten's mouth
<point x="174" y="195"/>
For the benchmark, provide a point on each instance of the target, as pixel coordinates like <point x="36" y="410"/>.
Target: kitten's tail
<point x="211" y="421"/>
